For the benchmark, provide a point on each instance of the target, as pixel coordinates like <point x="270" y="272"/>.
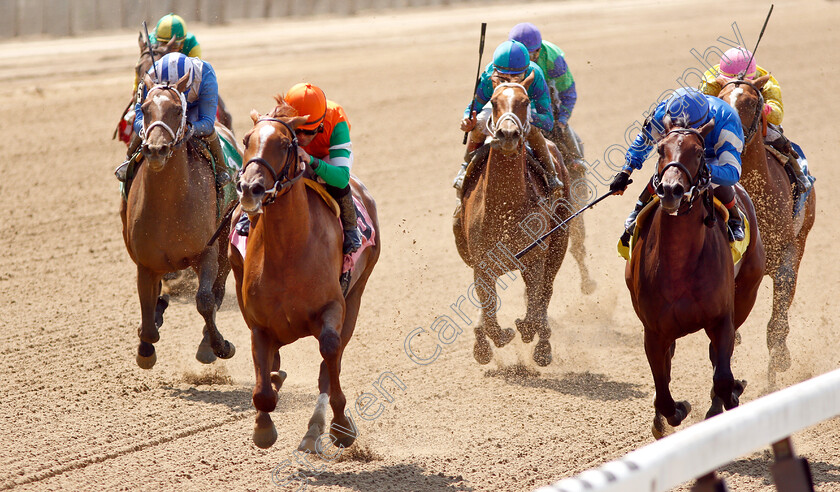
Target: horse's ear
<point x="759" y="82"/>
<point x="707" y="128"/>
<point x="721" y="80"/>
<point x="495" y="79"/>
<point x="147" y="80"/>
<point x="666" y="122"/>
<point x="528" y="80"/>
<point x="140" y="42"/>
<point x="255" y="116"/>
<point x="170" y="46"/>
<point x="182" y="83"/>
<point x="297" y="121"/>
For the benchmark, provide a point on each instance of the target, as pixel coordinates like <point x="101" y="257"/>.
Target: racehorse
<point x="505" y="195"/>
<point x="168" y="216"/>
<point x="784" y="235"/>
<point x="288" y="282"/>
<point x="681" y="274"/>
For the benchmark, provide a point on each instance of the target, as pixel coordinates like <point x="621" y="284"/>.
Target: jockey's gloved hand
<point x="620" y="182"/>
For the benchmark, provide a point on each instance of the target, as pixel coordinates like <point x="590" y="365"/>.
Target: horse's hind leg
<point x="148" y="289"/>
<point x="205" y="301"/>
<point x="784" y="287"/>
<point x="659" y="353"/>
<point x="331" y="344"/>
<point x="264" y="349"/>
<point x="577" y="235"/>
<point x="485" y="289"/>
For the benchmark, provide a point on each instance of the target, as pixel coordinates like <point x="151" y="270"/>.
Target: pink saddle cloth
<point x="363" y="221"/>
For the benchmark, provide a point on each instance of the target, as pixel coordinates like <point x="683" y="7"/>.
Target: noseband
<point x="282" y="181"/>
<point x="699" y="182"/>
<point x="176" y="135"/>
<point x="750" y="132"/>
<point x="523" y="128"/>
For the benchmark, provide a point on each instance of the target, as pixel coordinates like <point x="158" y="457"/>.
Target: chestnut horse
<point x="288" y="283"/>
<point x="497" y="204"/>
<point x="169" y="215"/>
<point x="784" y="235"/>
<point x="681" y="275"/>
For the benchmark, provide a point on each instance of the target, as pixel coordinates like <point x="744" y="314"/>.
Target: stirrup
<point x="243" y="227"/>
<point x="352" y="241"/>
<point x="735" y="228"/>
<point x="459" y="178"/>
<point x="627" y="235"/>
<point x="121" y="172"/>
<point x="344" y="282"/>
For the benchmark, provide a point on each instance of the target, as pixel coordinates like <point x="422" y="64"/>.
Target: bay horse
<point x="505" y="195"/>
<point x="168" y="216"/>
<point x="784" y="235"/>
<point x="288" y="283"/>
<point x="681" y="275"/>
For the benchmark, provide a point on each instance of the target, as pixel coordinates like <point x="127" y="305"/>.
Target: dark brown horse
<point x="288" y="283"/>
<point x="784" y="235"/>
<point x="681" y="275"/>
<point x="169" y="215"/>
<point x="497" y="205"/>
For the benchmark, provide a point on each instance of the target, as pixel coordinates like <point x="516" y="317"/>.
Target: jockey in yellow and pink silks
<point x="732" y="63"/>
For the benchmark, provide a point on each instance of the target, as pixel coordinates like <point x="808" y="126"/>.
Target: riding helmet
<point x="511" y="57"/>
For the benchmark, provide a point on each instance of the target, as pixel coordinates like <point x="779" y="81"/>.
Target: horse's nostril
<point x="679" y="190"/>
<point x="257" y="189"/>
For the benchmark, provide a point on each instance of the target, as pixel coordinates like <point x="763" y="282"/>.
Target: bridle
<point x="700" y="182"/>
<point x="523" y="128"/>
<point x="750" y="132"/>
<point x="178" y="134"/>
<point x="282" y="181"/>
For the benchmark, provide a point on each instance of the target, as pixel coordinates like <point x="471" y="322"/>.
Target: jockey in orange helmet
<point x="324" y="144"/>
<point x="738" y="60"/>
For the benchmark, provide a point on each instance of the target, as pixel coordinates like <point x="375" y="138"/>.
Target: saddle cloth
<point x="738" y="247"/>
<point x="363" y="222"/>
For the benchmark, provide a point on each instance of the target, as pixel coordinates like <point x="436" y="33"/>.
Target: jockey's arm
<point x="709" y="85"/>
<point x="645" y="140"/>
<point x="542" y="115"/>
<point x="728" y="144"/>
<point x="482" y="94"/>
<point x="561" y="78"/>
<point x="772" y="93"/>
<point x="336" y="172"/>
<point x="208" y="99"/>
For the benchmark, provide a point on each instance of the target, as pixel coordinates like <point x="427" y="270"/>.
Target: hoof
<point x="277" y="379"/>
<point x="527" y="330"/>
<point x="307" y="445"/>
<point x="205" y="354"/>
<point x="683" y="409"/>
<point x="146" y="356"/>
<point x="482" y="352"/>
<point x="227" y="352"/>
<point x="588" y="286"/>
<point x="660" y="428"/>
<point x="542" y="353"/>
<point x="779" y="359"/>
<point x="502" y="337"/>
<point x="715" y="409"/>
<point x="341" y="439"/>
<point x="265" y="434"/>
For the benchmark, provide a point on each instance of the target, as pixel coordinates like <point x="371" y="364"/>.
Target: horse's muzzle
<point x="251" y="196"/>
<point x="670" y="196"/>
<point x="156" y="155"/>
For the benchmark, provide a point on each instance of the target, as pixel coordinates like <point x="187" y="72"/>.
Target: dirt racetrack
<point x="78" y="414"/>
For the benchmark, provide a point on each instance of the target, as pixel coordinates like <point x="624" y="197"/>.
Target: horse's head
<point x="509" y="124"/>
<point x="745" y="96"/>
<point x="271" y="159"/>
<point x="144" y="63"/>
<point x="682" y="172"/>
<point x="164" y="120"/>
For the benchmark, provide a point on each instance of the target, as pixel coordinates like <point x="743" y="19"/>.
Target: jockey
<point x="737" y="60"/>
<point x="512" y="64"/>
<point x="169" y="26"/>
<point x="723" y="151"/>
<point x="201" y="96"/>
<point x="324" y="144"/>
<point x="561" y="85"/>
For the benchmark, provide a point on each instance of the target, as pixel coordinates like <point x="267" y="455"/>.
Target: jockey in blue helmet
<point x="510" y="64"/>
<point x="723" y="150"/>
<point x="561" y="85"/>
<point x="201" y="94"/>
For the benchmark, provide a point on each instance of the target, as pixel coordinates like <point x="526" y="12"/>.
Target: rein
<point x="177" y="135"/>
<point x="282" y="182"/>
<point x="523" y="128"/>
<point x="700" y="182"/>
<point x="750" y="132"/>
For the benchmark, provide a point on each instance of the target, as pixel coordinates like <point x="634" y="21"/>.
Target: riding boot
<point x="736" y="225"/>
<point x="214" y="144"/>
<point x="121" y="172"/>
<point x="540" y="147"/>
<point x="458" y="184"/>
<point x="243" y="226"/>
<point x="630" y="223"/>
<point x="802" y="182"/>
<point x="777" y="138"/>
<point x="352" y="238"/>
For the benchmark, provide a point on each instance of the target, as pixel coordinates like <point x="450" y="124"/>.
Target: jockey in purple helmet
<point x="201" y="96"/>
<point x="723" y="151"/>
<point x="561" y="85"/>
<point x="510" y="64"/>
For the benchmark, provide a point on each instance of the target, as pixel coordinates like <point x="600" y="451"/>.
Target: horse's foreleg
<point x="318" y="421"/>
<point x="263" y="350"/>
<point x="720" y="351"/>
<point x="659" y="353"/>
<point x="538" y="289"/>
<point x="213" y="343"/>
<point x="331" y="345"/>
<point x="485" y="289"/>
<point x="148" y="289"/>
<point x="784" y="288"/>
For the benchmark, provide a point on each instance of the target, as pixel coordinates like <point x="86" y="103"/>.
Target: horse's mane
<point x="282" y="109"/>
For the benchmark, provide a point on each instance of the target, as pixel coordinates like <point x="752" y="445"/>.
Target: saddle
<point x="738" y="248"/>
<point x="479" y="159"/>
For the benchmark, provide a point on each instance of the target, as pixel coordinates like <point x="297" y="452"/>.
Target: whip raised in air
<point x="477" y="73"/>
<point x="744" y="73"/>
